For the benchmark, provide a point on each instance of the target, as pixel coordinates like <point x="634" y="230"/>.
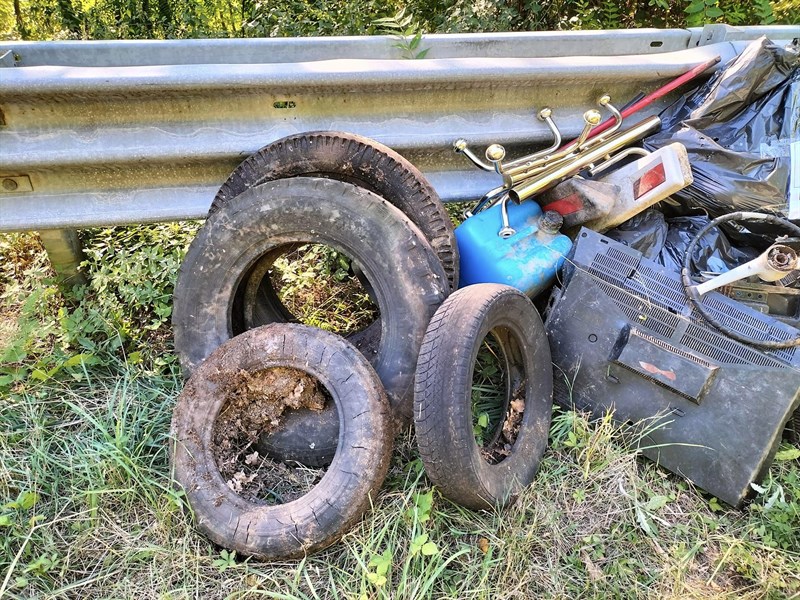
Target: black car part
<point x="720" y="322"/>
<point x="624" y="338"/>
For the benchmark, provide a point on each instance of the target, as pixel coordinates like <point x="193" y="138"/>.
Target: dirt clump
<point x="255" y="403"/>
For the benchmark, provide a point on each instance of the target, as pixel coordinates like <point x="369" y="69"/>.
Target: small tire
<point x="345" y="492"/>
<point x="358" y="160"/>
<point x="407" y="278"/>
<point x="443" y="401"/>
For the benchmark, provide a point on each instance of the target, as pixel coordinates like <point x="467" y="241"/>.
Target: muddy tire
<point x="358" y="160"/>
<point x="443" y="413"/>
<point x="407" y="279"/>
<point x="338" y="501"/>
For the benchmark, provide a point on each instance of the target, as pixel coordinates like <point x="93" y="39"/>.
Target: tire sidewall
<point x="317" y="519"/>
<point x="407" y="277"/>
<point x="507" y="478"/>
<point x="358" y="160"/>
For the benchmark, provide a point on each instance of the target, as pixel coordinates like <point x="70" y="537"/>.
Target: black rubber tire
<point x="443" y="406"/>
<point x="407" y="278"/>
<point x="354" y="159"/>
<point x="348" y="487"/>
<point x="306" y="436"/>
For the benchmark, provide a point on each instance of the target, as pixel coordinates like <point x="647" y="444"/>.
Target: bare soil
<point x="255" y="403"/>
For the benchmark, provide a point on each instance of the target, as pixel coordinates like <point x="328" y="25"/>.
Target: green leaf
<point x="695" y="7"/>
<point x="5" y="521"/>
<point x="422" y="53"/>
<point x="715" y="12"/>
<point x="417" y="543"/>
<point x="424" y="504"/>
<point x="429" y="549"/>
<point x="27" y="500"/>
<point x="15" y="355"/>
<point x="39" y="375"/>
<point x="643" y="521"/>
<point x="483" y="420"/>
<point x="788" y="454"/>
<point x="80" y="359"/>
<point x="382" y="562"/>
<point x="656" y="502"/>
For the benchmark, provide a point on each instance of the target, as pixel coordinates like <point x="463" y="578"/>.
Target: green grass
<point x="88" y="510"/>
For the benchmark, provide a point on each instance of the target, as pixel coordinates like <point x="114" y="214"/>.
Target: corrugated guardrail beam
<point x="105" y="133"/>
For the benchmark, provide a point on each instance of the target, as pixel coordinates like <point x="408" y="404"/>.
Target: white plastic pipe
<point x="772" y="265"/>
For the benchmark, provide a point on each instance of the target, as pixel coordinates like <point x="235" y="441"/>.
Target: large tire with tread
<point x="405" y="274"/>
<point x="347" y="488"/>
<point x="354" y="159"/>
<point x="443" y="399"/>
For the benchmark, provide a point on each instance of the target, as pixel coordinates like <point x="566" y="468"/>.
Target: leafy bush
<point x="123" y="314"/>
<point x="133" y="19"/>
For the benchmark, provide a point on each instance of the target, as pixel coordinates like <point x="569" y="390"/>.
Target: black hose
<point x="691" y="289"/>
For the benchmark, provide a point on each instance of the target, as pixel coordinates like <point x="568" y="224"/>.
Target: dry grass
<point x="88" y="510"/>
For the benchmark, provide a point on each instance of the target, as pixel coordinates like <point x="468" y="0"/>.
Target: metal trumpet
<point x="535" y="173"/>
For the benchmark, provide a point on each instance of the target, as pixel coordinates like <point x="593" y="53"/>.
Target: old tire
<point x="307" y="437"/>
<point x="406" y="276"/>
<point x="345" y="492"/>
<point x="354" y="159"/>
<point x="443" y="405"/>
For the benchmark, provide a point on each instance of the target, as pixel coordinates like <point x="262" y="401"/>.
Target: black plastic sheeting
<point x="665" y="241"/>
<point x="737" y="129"/>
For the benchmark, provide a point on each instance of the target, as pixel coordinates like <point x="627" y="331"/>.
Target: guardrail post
<point x="65" y="253"/>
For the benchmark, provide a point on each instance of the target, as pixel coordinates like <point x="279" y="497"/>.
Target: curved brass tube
<point x="526" y="186"/>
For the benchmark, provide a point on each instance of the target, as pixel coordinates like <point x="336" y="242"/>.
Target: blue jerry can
<point x="527" y="260"/>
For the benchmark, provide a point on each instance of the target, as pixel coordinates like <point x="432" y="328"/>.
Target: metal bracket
<point x="12" y="184"/>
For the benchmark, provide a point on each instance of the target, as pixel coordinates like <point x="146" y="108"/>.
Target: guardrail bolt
<point x="10" y="185"/>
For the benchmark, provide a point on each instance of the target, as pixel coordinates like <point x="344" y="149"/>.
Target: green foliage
<point x="776" y="510"/>
<point x="123" y="314"/>
<point x="136" y="19"/>
<point x="406" y="31"/>
<point x="488" y="390"/>
<point x="88" y="508"/>
<point x="226" y="560"/>
<point x="318" y="285"/>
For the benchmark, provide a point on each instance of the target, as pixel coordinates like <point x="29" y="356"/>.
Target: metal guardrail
<point x="107" y="133"/>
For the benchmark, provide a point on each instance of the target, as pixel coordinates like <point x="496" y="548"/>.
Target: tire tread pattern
<point x="442" y="397"/>
<point x="355" y="159"/>
<point x="347" y="490"/>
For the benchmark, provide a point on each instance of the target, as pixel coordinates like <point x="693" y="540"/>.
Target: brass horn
<point x="537" y="172"/>
<point x="526" y="185"/>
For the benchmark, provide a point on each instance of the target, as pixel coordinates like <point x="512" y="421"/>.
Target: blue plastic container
<point x="528" y="260"/>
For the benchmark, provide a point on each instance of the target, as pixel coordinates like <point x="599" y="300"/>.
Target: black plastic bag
<point x="645" y="232"/>
<point x="665" y="241"/>
<point x="737" y="129"/>
<point x="714" y="252"/>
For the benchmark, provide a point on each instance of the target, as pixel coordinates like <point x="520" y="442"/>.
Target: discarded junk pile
<point x="683" y="322"/>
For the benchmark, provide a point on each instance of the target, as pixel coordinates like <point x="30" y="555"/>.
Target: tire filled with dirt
<point x="358" y="160"/>
<point x="404" y="273"/>
<point x="492" y="473"/>
<point x="242" y="390"/>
